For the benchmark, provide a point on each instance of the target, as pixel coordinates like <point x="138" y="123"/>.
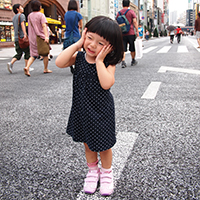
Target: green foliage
<point x="165" y="32"/>
<point x="155" y="33"/>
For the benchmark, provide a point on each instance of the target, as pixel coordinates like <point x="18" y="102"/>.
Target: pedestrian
<point x="141" y="31"/>
<point x="92" y="117"/>
<point x="51" y="34"/>
<point x="59" y="35"/>
<point x="129" y="38"/>
<point x="74" y="24"/>
<point x="37" y="26"/>
<point x="18" y="10"/>
<point x="147" y="35"/>
<point x="178" y="33"/>
<point x="197" y="29"/>
<point x="171" y="36"/>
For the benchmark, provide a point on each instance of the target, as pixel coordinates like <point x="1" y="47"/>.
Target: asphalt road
<point x="157" y="152"/>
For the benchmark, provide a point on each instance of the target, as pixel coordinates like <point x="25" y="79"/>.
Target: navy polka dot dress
<point x="92" y="117"/>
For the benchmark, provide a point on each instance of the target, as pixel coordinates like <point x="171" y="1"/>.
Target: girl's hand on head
<point x="103" y="53"/>
<point x="82" y="39"/>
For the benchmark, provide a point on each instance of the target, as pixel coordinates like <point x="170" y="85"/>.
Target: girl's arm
<point x="106" y="75"/>
<point x="67" y="57"/>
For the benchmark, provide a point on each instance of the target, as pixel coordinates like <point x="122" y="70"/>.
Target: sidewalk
<point x="9" y="52"/>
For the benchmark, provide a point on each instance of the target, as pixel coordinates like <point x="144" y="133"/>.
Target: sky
<point x="179" y="5"/>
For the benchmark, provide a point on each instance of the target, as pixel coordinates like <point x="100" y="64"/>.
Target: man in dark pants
<point x="18" y="9"/>
<point x="129" y="38"/>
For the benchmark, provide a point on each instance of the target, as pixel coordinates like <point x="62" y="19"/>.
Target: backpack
<point x="123" y="22"/>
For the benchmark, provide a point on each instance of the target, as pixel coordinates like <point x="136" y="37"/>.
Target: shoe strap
<point x="106" y="177"/>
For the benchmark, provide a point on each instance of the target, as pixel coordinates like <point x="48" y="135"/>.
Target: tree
<point x="155" y="33"/>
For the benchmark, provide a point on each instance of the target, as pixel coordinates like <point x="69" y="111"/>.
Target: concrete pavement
<point x="157" y="150"/>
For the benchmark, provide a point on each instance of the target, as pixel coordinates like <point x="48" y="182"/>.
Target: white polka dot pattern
<point x="92" y="117"/>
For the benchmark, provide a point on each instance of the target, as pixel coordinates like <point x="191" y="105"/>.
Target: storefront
<point x="6" y="25"/>
<point x="6" y="32"/>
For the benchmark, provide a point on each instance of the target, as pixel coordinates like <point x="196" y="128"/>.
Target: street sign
<point x="142" y="17"/>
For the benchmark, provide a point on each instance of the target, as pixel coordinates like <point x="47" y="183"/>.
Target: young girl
<point x="92" y="117"/>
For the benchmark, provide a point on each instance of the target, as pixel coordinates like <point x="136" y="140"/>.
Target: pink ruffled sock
<point x="106" y="170"/>
<point x="93" y="166"/>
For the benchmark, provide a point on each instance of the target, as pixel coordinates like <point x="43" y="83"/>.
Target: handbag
<point x="23" y="42"/>
<point x="138" y="48"/>
<point x="70" y="39"/>
<point x="42" y="46"/>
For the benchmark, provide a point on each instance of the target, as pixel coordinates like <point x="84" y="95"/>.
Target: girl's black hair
<point x="35" y="5"/>
<point x="72" y="5"/>
<point x="110" y="31"/>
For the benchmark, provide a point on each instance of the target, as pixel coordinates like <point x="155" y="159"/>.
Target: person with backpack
<point x="128" y="31"/>
<point x="178" y="33"/>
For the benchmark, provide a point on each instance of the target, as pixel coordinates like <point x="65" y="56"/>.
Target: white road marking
<point x="195" y="44"/>
<point x="4" y="58"/>
<point x="151" y="90"/>
<point x="149" y="49"/>
<point x="164" y="69"/>
<point x="165" y="49"/>
<point x="182" y="49"/>
<point x="121" y="152"/>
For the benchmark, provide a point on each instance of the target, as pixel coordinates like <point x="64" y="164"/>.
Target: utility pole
<point x="138" y="12"/>
<point x="89" y="10"/>
<point x="145" y="12"/>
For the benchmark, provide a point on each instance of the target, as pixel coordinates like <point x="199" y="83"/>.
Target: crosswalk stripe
<point x="182" y="49"/>
<point x="165" y="49"/>
<point x="194" y="43"/>
<point x="149" y="49"/>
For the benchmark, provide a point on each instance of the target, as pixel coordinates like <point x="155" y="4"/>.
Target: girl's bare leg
<point x="91" y="156"/>
<point x="106" y="158"/>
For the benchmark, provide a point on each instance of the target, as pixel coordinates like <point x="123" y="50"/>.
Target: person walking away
<point x="59" y="35"/>
<point x="147" y="35"/>
<point x="18" y="9"/>
<point x="92" y="117"/>
<point x="37" y="26"/>
<point x="74" y="23"/>
<point x="197" y="29"/>
<point x="171" y="36"/>
<point x="178" y="32"/>
<point x="129" y="38"/>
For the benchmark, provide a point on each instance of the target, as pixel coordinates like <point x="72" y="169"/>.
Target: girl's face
<point x="93" y="44"/>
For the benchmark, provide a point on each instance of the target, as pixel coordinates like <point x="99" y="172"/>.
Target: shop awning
<point x="52" y="21"/>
